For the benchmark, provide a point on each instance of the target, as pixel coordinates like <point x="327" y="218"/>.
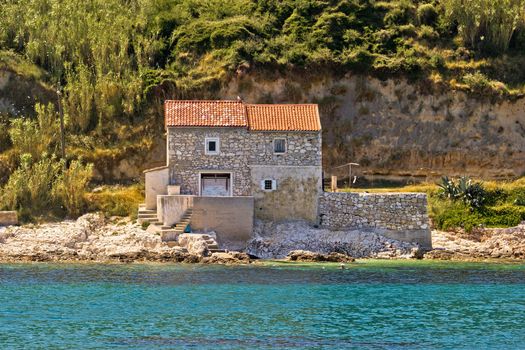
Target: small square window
<point x="212" y="145"/>
<point x="279" y="146"/>
<point x="268" y="185"/>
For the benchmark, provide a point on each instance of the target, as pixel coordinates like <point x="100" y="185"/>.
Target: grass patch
<point x="117" y="200"/>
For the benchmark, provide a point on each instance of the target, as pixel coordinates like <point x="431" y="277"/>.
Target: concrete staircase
<point x="167" y="233"/>
<point x="170" y="234"/>
<point x="155" y="226"/>
<point x="213" y="247"/>
<point x="146" y="215"/>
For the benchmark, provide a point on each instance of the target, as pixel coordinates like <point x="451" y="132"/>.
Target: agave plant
<point x="470" y="193"/>
<point x="448" y="188"/>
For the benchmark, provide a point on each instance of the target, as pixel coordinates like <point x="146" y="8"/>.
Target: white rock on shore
<point x="91" y="237"/>
<point x="273" y="241"/>
<point x="506" y="243"/>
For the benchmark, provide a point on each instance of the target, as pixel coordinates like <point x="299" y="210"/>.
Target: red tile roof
<point x="205" y="113"/>
<point x="257" y="117"/>
<point x="283" y="117"/>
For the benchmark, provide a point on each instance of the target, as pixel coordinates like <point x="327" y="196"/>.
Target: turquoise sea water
<point x="370" y="305"/>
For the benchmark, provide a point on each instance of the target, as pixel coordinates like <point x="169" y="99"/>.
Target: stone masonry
<point x="239" y="150"/>
<point x="389" y="211"/>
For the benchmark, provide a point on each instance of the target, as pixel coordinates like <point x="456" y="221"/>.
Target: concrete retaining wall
<point x="401" y="216"/>
<point x="230" y="217"/>
<point x="170" y="209"/>
<point x="156" y="183"/>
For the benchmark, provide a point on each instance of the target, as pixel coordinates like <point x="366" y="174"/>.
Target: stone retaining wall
<point x="401" y="216"/>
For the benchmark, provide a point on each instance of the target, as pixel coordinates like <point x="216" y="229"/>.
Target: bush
<point x="36" y="137"/>
<point x="31" y="185"/>
<point x="117" y="200"/>
<point x="477" y="81"/>
<point x="44" y="187"/>
<point x="71" y="186"/>
<point x="427" y="33"/>
<point x="504" y="215"/>
<point x="520" y="201"/>
<point x="486" y="25"/>
<point x="448" y="215"/>
<point x="426" y="14"/>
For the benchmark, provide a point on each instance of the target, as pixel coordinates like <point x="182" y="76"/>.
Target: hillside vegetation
<point x="114" y="61"/>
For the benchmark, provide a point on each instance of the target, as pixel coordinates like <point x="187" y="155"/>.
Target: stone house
<point x="229" y="162"/>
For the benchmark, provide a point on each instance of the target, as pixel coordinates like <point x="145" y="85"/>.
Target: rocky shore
<point x="97" y="239"/>
<point x="482" y="243"/>
<point x="275" y="241"/>
<point x="94" y="238"/>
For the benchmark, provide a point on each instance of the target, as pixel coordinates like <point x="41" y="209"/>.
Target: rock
<point x="275" y="241"/>
<point x="92" y="238"/>
<point x="307" y="256"/>
<point x="494" y="243"/>
<point x="197" y="243"/>
<point x="227" y="258"/>
<point x="8" y="218"/>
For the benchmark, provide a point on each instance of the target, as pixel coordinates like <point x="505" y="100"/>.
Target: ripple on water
<point x="383" y="305"/>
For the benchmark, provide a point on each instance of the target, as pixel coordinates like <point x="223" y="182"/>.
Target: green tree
<point x="486" y="24"/>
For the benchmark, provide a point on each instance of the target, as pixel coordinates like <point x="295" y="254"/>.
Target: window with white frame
<point x="212" y="145"/>
<point x="268" y="185"/>
<point x="279" y="146"/>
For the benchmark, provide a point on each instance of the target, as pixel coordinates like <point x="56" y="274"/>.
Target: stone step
<point x="148" y="220"/>
<point x="212" y="246"/>
<point x="147" y="216"/>
<point x="147" y="211"/>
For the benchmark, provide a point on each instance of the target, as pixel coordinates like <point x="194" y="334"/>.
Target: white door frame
<point x="216" y="172"/>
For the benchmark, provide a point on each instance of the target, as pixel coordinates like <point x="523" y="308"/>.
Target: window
<point x="279" y="146"/>
<point x="268" y="185"/>
<point x="212" y="145"/>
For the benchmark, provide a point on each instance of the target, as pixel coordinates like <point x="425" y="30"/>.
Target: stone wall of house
<point x="239" y="149"/>
<point x="401" y="216"/>
<point x="295" y="196"/>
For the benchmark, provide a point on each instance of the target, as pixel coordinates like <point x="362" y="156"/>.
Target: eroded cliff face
<point x="398" y="128"/>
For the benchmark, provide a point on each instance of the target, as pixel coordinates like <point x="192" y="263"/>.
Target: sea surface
<point x="368" y="305"/>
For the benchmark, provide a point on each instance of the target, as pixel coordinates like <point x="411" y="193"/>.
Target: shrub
<point x="427" y="33"/>
<point x="71" y="186"/>
<point x="477" y="81"/>
<point x="5" y="139"/>
<point x="36" y="137"/>
<point x="31" y="185"/>
<point x="504" y="215"/>
<point x="520" y="201"/>
<point x="117" y="200"/>
<point x="426" y="14"/>
<point x="486" y="25"/>
<point x="448" y="215"/>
